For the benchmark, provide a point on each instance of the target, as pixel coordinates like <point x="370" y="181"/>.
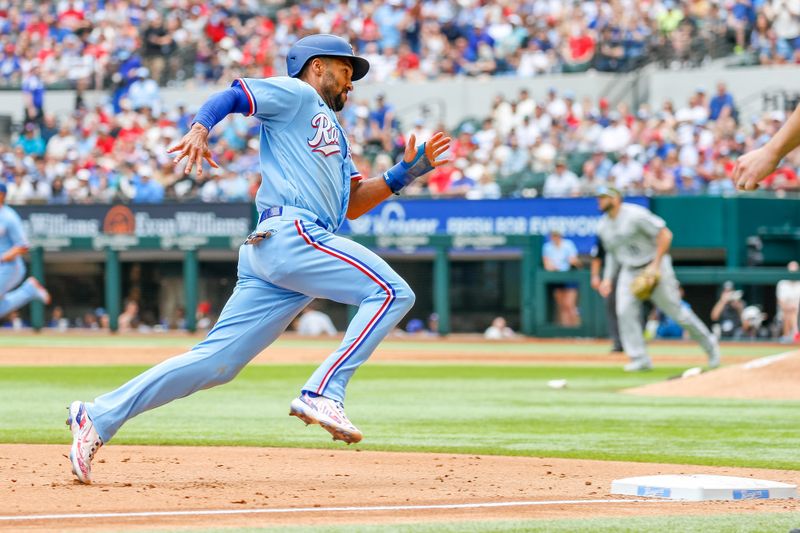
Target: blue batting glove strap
<point x="404" y="173"/>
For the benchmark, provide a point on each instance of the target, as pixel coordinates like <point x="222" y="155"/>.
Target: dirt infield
<point x="36" y="480"/>
<point x="316" y="350"/>
<point x="242" y="486"/>
<point x="768" y="378"/>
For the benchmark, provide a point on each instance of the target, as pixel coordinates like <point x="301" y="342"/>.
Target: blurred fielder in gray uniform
<point x="637" y="241"/>
<point x="598" y="257"/>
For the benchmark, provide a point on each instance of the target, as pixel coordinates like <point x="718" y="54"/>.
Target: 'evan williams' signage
<point x="170" y="220"/>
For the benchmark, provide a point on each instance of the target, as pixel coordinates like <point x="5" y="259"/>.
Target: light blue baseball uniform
<point x="13" y="272"/>
<point x="306" y="171"/>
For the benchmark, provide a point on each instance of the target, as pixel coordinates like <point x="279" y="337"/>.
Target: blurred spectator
<point x="726" y="314"/>
<point x="31" y="141"/>
<point x="13" y="321"/>
<point x="433" y="323"/>
<point x="753" y="327"/>
<point x="203" y="315"/>
<point x="788" y="297"/>
<point x="627" y="174"/>
<point x="57" y="319"/>
<point x="560" y="255"/>
<point x="415" y="326"/>
<point x="313" y="323"/>
<point x="498" y="330"/>
<point x="420" y="327"/>
<point x="33" y="94"/>
<point x="128" y="319"/>
<point x="562" y="182"/>
<point x="722" y="100"/>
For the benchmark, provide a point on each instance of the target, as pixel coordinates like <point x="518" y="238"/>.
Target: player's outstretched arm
<point x="754" y="166"/>
<point x="194" y="145"/>
<point x="417" y="161"/>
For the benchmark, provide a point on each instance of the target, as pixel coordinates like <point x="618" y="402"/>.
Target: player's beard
<point x="333" y="97"/>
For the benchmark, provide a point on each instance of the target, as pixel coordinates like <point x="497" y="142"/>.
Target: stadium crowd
<point x="555" y="145"/>
<point x="552" y="145"/>
<point x="99" y="43"/>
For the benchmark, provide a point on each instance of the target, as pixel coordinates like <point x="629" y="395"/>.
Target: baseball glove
<point x="642" y="285"/>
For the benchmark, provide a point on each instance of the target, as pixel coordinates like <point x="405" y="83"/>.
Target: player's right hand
<point x="753" y="167"/>
<point x="194" y="145"/>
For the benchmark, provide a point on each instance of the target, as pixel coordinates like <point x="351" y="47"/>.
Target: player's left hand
<point x="194" y="145"/>
<point x="753" y="167"/>
<point x="653" y="268"/>
<point x="434" y="147"/>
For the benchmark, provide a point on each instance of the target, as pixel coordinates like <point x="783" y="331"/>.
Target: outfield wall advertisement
<point x="53" y="227"/>
<point x="575" y="218"/>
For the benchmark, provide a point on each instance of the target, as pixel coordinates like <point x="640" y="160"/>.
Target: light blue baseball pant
<point x="278" y="277"/>
<point x="11" y="274"/>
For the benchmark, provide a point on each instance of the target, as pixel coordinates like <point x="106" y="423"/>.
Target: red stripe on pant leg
<point x="377" y="315"/>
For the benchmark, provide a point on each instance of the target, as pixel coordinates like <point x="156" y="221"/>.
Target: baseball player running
<point x="309" y="184"/>
<point x="754" y="166"/>
<point x="637" y="242"/>
<point x="13" y="245"/>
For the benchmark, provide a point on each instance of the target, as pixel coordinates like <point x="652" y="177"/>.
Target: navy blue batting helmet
<point x="323" y="45"/>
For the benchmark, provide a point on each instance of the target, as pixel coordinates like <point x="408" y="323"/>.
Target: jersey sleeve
<point x="15" y="231"/>
<point x="649" y="223"/>
<point x="274" y="100"/>
<point x="355" y="175"/>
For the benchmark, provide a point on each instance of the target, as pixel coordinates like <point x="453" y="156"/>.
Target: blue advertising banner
<point x="576" y="218"/>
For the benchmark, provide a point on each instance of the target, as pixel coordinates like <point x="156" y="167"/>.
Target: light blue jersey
<point x="305" y="155"/>
<point x="11" y="232"/>
<point x="13" y="272"/>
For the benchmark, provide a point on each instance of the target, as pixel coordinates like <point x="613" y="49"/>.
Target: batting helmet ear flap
<point x="323" y="45"/>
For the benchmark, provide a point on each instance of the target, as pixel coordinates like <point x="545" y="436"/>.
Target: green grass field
<point x="486" y="409"/>
<point x="759" y="523"/>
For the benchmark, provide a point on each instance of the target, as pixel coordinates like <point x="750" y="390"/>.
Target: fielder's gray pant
<point x="667" y="298"/>
<point x="611" y="314"/>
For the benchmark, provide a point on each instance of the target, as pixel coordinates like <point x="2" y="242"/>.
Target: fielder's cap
<point x="604" y="190"/>
<point x="3" y="188"/>
<point x="323" y="45"/>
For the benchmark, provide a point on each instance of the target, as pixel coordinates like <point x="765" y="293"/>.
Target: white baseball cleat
<point x="638" y="365"/>
<point x="327" y="413"/>
<point x="41" y="292"/>
<point x="85" y="442"/>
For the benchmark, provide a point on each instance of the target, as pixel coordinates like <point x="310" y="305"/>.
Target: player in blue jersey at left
<point x="309" y="185"/>
<point x="13" y="245"/>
